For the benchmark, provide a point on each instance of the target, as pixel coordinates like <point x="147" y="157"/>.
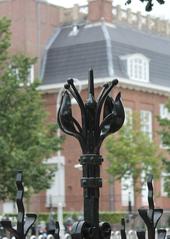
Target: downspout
<point x="111" y="74"/>
<point x="108" y="49"/>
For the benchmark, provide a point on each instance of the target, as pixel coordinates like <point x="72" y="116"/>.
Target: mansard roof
<point x="73" y="50"/>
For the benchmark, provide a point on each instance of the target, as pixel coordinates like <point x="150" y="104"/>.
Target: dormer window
<point x="74" y="31"/>
<point x="137" y="67"/>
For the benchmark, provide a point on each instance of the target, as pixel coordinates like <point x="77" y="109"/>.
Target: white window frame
<point x="30" y="78"/>
<point x="126" y="190"/>
<point x="8" y="207"/>
<point x="31" y="75"/>
<point x="162" y="189"/>
<point x="144" y="189"/>
<point x="55" y="195"/>
<point x="128" y="115"/>
<point x="146" y="122"/>
<point x="74" y="31"/>
<point x="164" y="114"/>
<point x="137" y="67"/>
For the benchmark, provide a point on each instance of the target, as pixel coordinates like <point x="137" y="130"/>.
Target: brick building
<point x="117" y="44"/>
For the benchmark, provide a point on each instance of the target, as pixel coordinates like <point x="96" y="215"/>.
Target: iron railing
<point x="90" y="133"/>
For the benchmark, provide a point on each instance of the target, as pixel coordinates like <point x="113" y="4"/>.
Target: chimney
<point x="100" y="9"/>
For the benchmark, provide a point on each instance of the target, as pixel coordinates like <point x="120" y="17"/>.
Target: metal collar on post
<point x="90" y="133"/>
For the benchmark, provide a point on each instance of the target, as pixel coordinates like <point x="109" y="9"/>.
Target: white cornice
<point x="124" y="83"/>
<point x="144" y="86"/>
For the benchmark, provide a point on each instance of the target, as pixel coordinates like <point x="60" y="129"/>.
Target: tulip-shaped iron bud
<point x="91" y="131"/>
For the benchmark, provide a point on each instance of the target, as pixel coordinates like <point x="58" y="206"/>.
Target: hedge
<point x="110" y="217"/>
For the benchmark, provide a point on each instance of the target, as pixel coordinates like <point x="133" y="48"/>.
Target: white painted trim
<point x="146" y="123"/>
<point x="123" y="82"/>
<point x="162" y="178"/>
<point x="143" y="86"/>
<point x="108" y="49"/>
<point x="135" y="55"/>
<point x="55" y="160"/>
<point x="97" y="24"/>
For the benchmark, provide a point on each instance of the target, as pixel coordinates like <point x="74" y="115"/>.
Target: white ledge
<point x="123" y="82"/>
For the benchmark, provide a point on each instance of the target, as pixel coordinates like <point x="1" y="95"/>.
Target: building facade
<point x="116" y="43"/>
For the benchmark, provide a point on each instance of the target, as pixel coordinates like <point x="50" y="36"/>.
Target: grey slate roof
<point x="72" y="56"/>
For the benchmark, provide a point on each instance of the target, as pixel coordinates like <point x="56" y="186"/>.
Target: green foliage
<point x="165" y="140"/>
<point x="165" y="129"/>
<point x="26" y="139"/>
<point x="110" y="217"/>
<point x="4" y="40"/>
<point x="131" y="152"/>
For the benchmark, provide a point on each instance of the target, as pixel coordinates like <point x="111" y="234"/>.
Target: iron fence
<point x="90" y="135"/>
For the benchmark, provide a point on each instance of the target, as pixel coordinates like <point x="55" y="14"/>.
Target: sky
<point x="162" y="11"/>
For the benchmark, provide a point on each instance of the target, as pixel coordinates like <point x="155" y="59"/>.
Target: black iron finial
<point x="91" y="83"/>
<point x="24" y="222"/>
<point x="90" y="133"/>
<point x="152" y="215"/>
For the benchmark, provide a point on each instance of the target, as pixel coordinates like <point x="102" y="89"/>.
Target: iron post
<point x="90" y="133"/>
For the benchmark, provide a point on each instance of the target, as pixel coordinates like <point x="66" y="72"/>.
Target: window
<point x="163" y="178"/>
<point x="30" y="79"/>
<point x="144" y="190"/>
<point x="146" y="123"/>
<point x="56" y="193"/>
<point x="74" y="31"/>
<point x="164" y="114"/>
<point x="31" y="75"/>
<point x="127" y="190"/>
<point x="137" y="67"/>
<point x="128" y="116"/>
<point x="8" y="207"/>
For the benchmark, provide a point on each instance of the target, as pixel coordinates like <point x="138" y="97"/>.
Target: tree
<point x="165" y="141"/>
<point x="26" y="138"/>
<point x="149" y="4"/>
<point x="132" y="154"/>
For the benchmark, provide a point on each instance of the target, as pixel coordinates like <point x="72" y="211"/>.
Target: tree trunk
<point x="136" y="193"/>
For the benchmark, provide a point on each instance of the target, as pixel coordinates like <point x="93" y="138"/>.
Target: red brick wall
<point x="137" y="100"/>
<point x="33" y="23"/>
<point x="100" y="9"/>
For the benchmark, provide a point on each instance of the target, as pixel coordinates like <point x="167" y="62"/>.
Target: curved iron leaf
<point x="114" y="121"/>
<point x="108" y="107"/>
<point x="65" y="115"/>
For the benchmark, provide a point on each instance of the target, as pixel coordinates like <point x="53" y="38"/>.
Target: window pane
<point x="127" y="190"/>
<point x="128" y="116"/>
<point x="138" y="69"/>
<point x="146" y="123"/>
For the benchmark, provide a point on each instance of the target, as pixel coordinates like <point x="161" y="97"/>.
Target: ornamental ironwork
<point x="95" y="126"/>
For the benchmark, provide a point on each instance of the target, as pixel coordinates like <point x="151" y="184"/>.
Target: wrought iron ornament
<point x="24" y="222"/>
<point x="90" y="134"/>
<point x="150" y="216"/>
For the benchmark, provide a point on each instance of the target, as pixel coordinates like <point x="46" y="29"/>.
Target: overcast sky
<point x="162" y="11"/>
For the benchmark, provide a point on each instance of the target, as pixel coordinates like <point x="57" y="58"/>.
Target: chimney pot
<point x="100" y="9"/>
